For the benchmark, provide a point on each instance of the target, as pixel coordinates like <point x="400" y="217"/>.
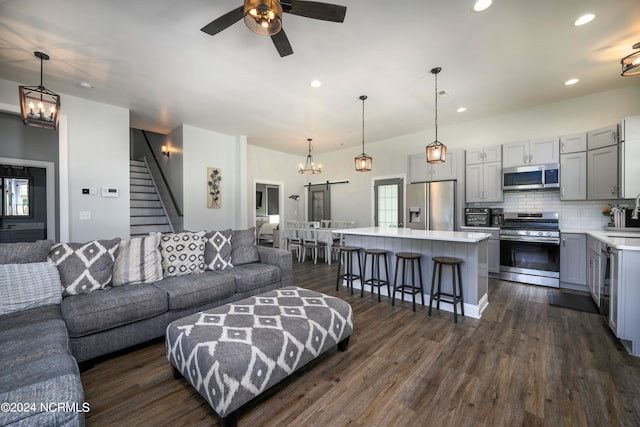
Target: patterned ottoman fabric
<point x="232" y="353"/>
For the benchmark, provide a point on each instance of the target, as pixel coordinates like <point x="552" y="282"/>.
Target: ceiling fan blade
<point x="224" y="22"/>
<point x="281" y="43"/>
<point x="315" y="10"/>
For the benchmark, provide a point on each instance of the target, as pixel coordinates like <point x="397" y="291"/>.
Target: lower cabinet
<point x="595" y="275"/>
<point x="493" y="247"/>
<point x="573" y="261"/>
<point x="624" y="308"/>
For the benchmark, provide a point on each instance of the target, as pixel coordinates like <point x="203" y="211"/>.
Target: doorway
<point x="388" y="202"/>
<point x="269" y="209"/>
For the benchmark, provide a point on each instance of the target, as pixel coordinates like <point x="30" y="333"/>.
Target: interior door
<point x="319" y="202"/>
<point x="388" y="196"/>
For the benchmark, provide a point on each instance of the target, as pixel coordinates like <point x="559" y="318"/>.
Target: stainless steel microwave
<point x="540" y="177"/>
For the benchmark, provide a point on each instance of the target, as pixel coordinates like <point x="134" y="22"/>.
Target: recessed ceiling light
<point x="481" y="5"/>
<point x="461" y="109"/>
<point x="86" y="85"/>
<point x="315" y="83"/>
<point x="571" y="82"/>
<point x="584" y="19"/>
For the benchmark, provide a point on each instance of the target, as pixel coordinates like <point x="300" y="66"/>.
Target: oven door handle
<point x="531" y="239"/>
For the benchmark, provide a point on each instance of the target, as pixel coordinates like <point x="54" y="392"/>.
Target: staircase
<point x="147" y="211"/>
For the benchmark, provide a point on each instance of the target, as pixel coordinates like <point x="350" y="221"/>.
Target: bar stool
<point x="454" y="299"/>
<point x="375" y="280"/>
<point x="403" y="257"/>
<point x="348" y="275"/>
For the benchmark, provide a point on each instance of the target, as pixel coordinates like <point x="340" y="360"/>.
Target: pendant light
<point x="363" y="162"/>
<point x="38" y="105"/>
<point x="310" y="167"/>
<point x="631" y="63"/>
<point x="263" y="17"/>
<point x="436" y="151"/>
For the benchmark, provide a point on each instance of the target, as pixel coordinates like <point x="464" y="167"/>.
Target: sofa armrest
<point x="280" y="258"/>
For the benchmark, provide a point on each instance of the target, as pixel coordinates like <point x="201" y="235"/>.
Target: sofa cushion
<point x="32" y="342"/>
<point x="182" y="253"/>
<point x="192" y="291"/>
<point x="105" y="309"/>
<point x="252" y="276"/>
<point x="138" y="261"/>
<point x="24" y="252"/>
<point x="243" y="246"/>
<point x="25" y="286"/>
<point x="217" y="250"/>
<point x="84" y="267"/>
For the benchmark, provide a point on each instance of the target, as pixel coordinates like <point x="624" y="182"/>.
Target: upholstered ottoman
<point x="234" y="352"/>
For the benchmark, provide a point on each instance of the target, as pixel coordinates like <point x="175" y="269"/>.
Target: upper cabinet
<point x="573" y="166"/>
<point x="484" y="155"/>
<point x="602" y="137"/>
<point x="421" y="171"/>
<point x="573" y="143"/>
<point x="532" y="152"/>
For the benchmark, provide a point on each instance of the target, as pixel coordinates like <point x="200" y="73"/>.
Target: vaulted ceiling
<point x="151" y="57"/>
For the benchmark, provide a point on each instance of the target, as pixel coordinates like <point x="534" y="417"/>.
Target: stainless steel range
<point x="530" y="248"/>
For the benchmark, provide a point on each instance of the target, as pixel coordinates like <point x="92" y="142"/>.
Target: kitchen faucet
<point x="636" y="210"/>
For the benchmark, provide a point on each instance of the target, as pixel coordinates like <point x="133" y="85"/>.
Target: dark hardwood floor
<point x="524" y="363"/>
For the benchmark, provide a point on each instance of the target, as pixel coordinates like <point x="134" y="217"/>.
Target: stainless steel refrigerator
<point x="431" y="206"/>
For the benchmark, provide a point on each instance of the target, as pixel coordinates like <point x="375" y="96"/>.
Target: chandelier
<point x="363" y="162"/>
<point x="263" y="17"/>
<point x="436" y="151"/>
<point x="38" y="105"/>
<point x="631" y="63"/>
<point x="310" y="167"/>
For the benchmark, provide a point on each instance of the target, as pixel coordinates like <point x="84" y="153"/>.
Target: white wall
<point x="95" y="146"/>
<point x="203" y="149"/>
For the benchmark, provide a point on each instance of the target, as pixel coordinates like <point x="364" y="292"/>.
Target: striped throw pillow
<point x="138" y="261"/>
<point x="25" y="286"/>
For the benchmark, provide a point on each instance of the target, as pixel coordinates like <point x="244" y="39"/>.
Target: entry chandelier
<point x="310" y="167"/>
<point x="436" y="151"/>
<point x="631" y="63"/>
<point x="263" y="17"/>
<point x="363" y="162"/>
<point x="39" y="106"/>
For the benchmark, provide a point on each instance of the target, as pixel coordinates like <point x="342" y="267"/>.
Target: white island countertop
<point x="408" y="233"/>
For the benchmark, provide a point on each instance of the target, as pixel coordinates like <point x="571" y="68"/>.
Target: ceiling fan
<point x="264" y="17"/>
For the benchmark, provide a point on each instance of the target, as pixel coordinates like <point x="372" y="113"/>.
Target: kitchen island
<point x="471" y="247"/>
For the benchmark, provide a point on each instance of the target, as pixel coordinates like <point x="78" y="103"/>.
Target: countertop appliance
<point x="541" y="177"/>
<point x="477" y="217"/>
<point x="497" y="217"/>
<point x="431" y="206"/>
<point x="530" y="248"/>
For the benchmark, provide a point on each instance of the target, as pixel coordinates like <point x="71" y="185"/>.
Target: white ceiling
<point x="151" y="57"/>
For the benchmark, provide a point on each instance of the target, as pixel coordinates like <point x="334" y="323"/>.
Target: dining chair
<point x="310" y="241"/>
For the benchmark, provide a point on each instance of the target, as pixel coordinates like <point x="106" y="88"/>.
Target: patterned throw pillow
<point x="84" y="267"/>
<point x="138" y="261"/>
<point x="243" y="246"/>
<point x="182" y="253"/>
<point x="25" y="286"/>
<point x="217" y="250"/>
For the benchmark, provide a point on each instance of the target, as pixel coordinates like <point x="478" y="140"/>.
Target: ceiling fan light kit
<point x="39" y="106"/>
<point x="363" y="161"/>
<point x="436" y="151"/>
<point x="263" y="17"/>
<point x="631" y="63"/>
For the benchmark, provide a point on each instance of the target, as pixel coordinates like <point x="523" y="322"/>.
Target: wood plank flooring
<point x="524" y="363"/>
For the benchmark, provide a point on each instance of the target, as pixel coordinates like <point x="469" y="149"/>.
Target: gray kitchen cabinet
<point x="421" y="171"/>
<point x="483" y="182"/>
<point x="532" y="152"/>
<point x="484" y="155"/>
<point x="493" y="246"/>
<point x="624" y="302"/>
<point x="573" y="143"/>
<point x="594" y="277"/>
<point x="602" y="137"/>
<point x="602" y="173"/>
<point x="573" y="261"/>
<point x="573" y="176"/>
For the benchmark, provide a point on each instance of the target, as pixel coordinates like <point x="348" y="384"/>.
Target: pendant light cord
<point x="436" y="74"/>
<point x="363" y="98"/>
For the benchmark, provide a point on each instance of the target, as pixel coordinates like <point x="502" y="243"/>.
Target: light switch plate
<point x="85" y="215"/>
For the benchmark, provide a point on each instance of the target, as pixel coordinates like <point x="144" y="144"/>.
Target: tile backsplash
<point x="576" y="215"/>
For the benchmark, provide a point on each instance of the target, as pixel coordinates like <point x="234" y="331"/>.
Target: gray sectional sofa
<point x="40" y="346"/>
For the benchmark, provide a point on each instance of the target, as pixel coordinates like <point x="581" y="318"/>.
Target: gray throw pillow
<point x="217" y="250"/>
<point x="22" y="253"/>
<point x="243" y="245"/>
<point x="138" y="261"/>
<point x="182" y="253"/>
<point x="84" y="267"/>
<point x="25" y="286"/>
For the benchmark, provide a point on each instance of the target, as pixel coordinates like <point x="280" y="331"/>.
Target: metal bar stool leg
<point x="395" y="282"/>
<point x="386" y="273"/>
<point x="340" y="258"/>
<point x="455" y="299"/>
<point x="433" y="283"/>
<point x="421" y="285"/>
<point x="413" y="285"/>
<point x="461" y="294"/>
<point x="362" y="279"/>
